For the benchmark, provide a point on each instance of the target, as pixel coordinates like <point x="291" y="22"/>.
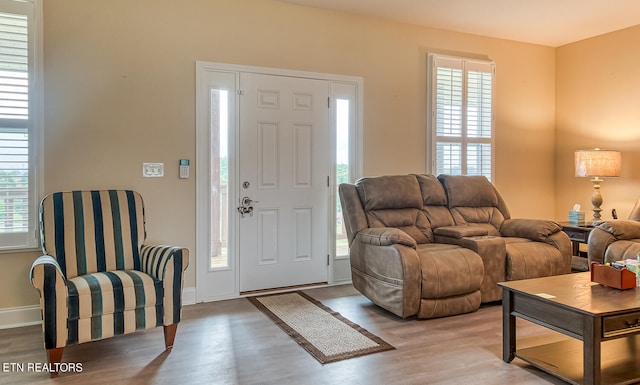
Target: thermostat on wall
<point x="184" y="168"/>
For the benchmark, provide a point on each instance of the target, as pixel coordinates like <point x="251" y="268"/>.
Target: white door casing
<point x="223" y="282"/>
<point x="284" y="170"/>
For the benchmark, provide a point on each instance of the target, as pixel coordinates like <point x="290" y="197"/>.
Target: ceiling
<point x="546" y="22"/>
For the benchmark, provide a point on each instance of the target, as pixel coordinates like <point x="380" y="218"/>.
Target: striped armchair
<point x="97" y="279"/>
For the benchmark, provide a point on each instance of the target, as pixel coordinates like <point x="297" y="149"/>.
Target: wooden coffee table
<point x="606" y="320"/>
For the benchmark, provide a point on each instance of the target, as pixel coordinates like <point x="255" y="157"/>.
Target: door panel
<point x="284" y="160"/>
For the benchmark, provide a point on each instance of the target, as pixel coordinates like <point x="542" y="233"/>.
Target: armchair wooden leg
<point x="169" y="335"/>
<point x="55" y="356"/>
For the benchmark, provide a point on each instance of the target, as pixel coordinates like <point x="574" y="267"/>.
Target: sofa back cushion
<point x="434" y="200"/>
<point x="395" y="201"/>
<point x="474" y="200"/>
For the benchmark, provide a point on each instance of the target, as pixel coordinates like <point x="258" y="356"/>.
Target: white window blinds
<point x="461" y="121"/>
<point x="18" y="217"/>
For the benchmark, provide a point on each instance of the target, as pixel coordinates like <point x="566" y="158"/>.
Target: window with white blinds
<point x="18" y="124"/>
<point x="461" y="116"/>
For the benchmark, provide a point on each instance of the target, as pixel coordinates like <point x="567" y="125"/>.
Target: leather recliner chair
<point x="616" y="240"/>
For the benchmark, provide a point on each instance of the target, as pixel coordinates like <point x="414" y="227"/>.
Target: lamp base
<point x="596" y="200"/>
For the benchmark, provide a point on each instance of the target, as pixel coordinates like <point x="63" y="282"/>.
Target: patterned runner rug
<point x="324" y="333"/>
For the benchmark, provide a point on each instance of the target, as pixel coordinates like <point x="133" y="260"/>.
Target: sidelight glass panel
<point x="342" y="170"/>
<point x="219" y="178"/>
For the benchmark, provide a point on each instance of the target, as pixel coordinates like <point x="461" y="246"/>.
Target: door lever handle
<point x="246" y="206"/>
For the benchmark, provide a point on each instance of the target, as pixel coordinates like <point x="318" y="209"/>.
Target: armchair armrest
<point x="167" y="264"/>
<point x="608" y="232"/>
<point x="385" y="236"/>
<point x="47" y="277"/>
<point x="621" y="229"/>
<point x="533" y="229"/>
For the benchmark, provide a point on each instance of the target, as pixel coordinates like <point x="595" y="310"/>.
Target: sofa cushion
<point x="473" y="199"/>
<point x="434" y="200"/>
<point x="395" y="201"/>
<point x="389" y="192"/>
<point x="530" y="259"/>
<point x="449" y="270"/>
<point x="411" y="221"/>
<point x="433" y="193"/>
<point x="469" y="191"/>
<point x="461" y="231"/>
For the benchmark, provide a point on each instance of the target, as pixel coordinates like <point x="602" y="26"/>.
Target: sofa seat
<point x="530" y="259"/>
<point x="450" y="280"/>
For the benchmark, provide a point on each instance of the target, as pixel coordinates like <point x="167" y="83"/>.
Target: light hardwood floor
<point x="231" y="342"/>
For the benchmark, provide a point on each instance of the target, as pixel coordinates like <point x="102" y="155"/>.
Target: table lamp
<point x="597" y="164"/>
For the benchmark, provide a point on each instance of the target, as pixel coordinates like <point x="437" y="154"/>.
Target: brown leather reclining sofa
<point x="434" y="247"/>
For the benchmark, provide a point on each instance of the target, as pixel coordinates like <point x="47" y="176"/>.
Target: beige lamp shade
<point x="598" y="163"/>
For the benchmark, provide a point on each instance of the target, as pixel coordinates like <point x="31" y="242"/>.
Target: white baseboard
<point x="188" y="296"/>
<point x="15" y="317"/>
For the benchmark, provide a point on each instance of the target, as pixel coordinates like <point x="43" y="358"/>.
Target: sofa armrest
<point x="460" y="231"/>
<point x="167" y="264"/>
<point x="541" y="230"/>
<point x="385" y="236"/>
<point x="47" y="277"/>
<point x="386" y="269"/>
<point x="621" y="229"/>
<point x="533" y="229"/>
<point x="353" y="214"/>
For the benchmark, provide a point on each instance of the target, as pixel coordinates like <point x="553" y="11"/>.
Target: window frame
<point x="30" y="240"/>
<point x="465" y="64"/>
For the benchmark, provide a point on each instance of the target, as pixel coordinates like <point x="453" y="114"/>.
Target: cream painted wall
<point x="598" y="105"/>
<point x="120" y="90"/>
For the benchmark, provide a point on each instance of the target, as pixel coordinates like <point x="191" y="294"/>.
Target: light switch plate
<point x="152" y="170"/>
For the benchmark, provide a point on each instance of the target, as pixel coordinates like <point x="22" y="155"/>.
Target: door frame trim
<point x="207" y="292"/>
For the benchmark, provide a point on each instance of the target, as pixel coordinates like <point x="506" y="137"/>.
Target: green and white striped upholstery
<point x="97" y="279"/>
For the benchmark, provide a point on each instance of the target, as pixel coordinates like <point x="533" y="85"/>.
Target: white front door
<point x="284" y="158"/>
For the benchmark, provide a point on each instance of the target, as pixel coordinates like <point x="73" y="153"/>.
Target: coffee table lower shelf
<point x="620" y="360"/>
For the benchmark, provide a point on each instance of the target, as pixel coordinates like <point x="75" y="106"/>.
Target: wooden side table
<point x="578" y="234"/>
